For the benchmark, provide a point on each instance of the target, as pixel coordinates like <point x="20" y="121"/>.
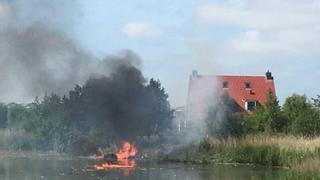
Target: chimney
<point x="269" y="75"/>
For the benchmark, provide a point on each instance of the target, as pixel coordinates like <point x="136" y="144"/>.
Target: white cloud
<point x="271" y="26"/>
<point x="140" y="29"/>
<point x="276" y="42"/>
<point x="261" y="14"/>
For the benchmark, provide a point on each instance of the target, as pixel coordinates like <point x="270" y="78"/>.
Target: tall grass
<point x="300" y="156"/>
<point x="311" y="165"/>
<point x="285" y="151"/>
<point x="282" y="141"/>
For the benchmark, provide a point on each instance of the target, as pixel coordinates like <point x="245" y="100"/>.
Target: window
<point x="251" y="105"/>
<point x="225" y="84"/>
<point x="247" y="85"/>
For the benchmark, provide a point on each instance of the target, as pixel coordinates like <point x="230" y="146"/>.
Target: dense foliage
<point x="100" y="113"/>
<point x="3" y="116"/>
<point x="268" y="118"/>
<point x="297" y="116"/>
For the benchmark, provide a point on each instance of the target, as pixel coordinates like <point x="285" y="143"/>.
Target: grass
<point x="311" y="166"/>
<point x="301" y="156"/>
<point x="284" y="151"/>
<point x="282" y="141"/>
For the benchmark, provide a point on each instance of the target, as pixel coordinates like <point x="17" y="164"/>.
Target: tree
<point x="267" y="118"/>
<point x="17" y="116"/>
<point x="3" y="116"/>
<point x="159" y="108"/>
<point x="316" y="102"/>
<point x="294" y="105"/>
<point x="105" y="110"/>
<point x="273" y="114"/>
<point x="303" y="117"/>
<point x="254" y="123"/>
<point x="307" y="123"/>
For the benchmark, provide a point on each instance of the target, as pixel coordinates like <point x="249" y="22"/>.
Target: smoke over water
<point x="36" y="53"/>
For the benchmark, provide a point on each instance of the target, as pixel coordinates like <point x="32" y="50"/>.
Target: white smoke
<point x="202" y="97"/>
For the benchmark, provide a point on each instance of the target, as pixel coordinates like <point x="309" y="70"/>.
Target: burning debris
<point x="123" y="159"/>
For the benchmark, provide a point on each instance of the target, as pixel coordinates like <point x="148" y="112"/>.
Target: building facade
<point x="246" y="91"/>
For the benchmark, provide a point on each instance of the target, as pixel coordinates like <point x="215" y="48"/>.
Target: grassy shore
<point x="300" y="156"/>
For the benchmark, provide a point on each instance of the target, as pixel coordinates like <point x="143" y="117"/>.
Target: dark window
<point x="225" y="84"/>
<point x="251" y="105"/>
<point x="247" y="85"/>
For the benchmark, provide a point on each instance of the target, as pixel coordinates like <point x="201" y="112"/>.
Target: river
<point x="62" y="168"/>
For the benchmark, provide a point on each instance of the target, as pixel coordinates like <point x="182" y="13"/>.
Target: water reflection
<point x="35" y="168"/>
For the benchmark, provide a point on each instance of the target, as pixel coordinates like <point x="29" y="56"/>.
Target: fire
<point x="127" y="151"/>
<point x="124" y="158"/>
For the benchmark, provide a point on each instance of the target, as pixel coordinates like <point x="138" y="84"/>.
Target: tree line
<point x="101" y="112"/>
<point x="297" y="116"/>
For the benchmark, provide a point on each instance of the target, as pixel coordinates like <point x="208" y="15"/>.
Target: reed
<point x="282" y="141"/>
<point x="296" y="153"/>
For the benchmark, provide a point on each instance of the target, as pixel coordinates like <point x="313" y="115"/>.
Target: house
<point x="246" y="91"/>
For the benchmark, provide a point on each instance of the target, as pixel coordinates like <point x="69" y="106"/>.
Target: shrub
<point x="303" y="118"/>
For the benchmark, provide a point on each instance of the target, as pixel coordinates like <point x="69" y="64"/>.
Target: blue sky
<point x="244" y="37"/>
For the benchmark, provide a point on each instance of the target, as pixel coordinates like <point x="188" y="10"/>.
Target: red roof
<point x="201" y="86"/>
<point x="259" y="88"/>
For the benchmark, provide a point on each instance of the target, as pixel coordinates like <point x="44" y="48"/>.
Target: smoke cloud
<point x="37" y="53"/>
<point x="210" y="110"/>
<point x="202" y="97"/>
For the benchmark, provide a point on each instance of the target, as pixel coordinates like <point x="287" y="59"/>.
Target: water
<point x="53" y="168"/>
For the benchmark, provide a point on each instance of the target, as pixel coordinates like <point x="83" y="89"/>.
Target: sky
<point x="232" y="37"/>
<point x="238" y="37"/>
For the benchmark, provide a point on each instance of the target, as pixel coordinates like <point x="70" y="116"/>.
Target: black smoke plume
<point x="111" y="99"/>
<point x="37" y="53"/>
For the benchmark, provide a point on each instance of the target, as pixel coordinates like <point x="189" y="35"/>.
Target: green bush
<point x="298" y="116"/>
<point x="268" y="118"/>
<point x="303" y="117"/>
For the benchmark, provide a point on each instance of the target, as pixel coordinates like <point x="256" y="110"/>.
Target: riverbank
<point x="300" y="156"/>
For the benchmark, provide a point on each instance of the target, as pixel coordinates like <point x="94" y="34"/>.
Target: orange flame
<point x="127" y="151"/>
